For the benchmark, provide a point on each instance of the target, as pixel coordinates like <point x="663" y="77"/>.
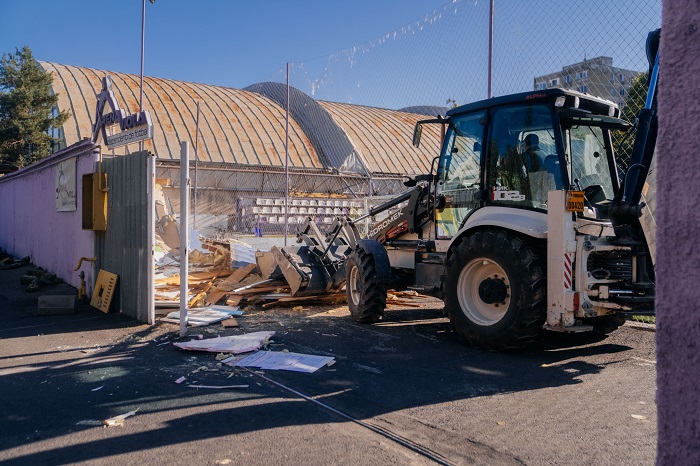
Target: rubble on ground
<point x="34" y="278"/>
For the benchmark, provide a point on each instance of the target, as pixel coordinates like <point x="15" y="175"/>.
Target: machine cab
<point x="511" y="151"/>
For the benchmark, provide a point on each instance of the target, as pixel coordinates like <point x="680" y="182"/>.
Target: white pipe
<point x="143" y="49"/>
<point x="286" y="165"/>
<point x="151" y="235"/>
<point x="196" y="159"/>
<point x="184" y="232"/>
<point x="490" y="94"/>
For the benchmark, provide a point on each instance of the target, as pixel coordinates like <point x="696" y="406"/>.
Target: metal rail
<point x="377" y="430"/>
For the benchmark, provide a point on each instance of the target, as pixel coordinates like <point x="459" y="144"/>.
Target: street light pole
<point x="143" y="49"/>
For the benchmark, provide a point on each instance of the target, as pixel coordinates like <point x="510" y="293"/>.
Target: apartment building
<point x="596" y="76"/>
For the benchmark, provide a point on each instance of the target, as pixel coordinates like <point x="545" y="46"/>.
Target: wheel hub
<point x="492" y="290"/>
<point x="483" y="291"/>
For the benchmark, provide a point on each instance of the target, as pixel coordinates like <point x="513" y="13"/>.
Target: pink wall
<point x="31" y="226"/>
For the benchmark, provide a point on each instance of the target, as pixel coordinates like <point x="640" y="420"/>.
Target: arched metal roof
<point x="327" y="137"/>
<point x="383" y="138"/>
<point x="235" y="126"/>
<point x="247" y="127"/>
<point x="430" y="110"/>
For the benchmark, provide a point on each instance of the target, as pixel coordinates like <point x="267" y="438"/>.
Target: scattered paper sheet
<point x="276" y="360"/>
<point x="191" y="323"/>
<point x="90" y="422"/>
<point x="230" y="310"/>
<point x="235" y="344"/>
<point x="119" y="420"/>
<point x="218" y="386"/>
<point x="204" y="315"/>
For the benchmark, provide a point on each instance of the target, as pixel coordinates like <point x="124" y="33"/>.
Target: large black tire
<point x="495" y="290"/>
<point x="366" y="296"/>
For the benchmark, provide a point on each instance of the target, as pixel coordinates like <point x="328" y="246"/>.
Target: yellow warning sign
<point x="104" y="289"/>
<point x="574" y="201"/>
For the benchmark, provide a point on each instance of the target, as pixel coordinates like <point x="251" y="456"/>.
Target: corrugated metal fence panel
<point x="124" y="248"/>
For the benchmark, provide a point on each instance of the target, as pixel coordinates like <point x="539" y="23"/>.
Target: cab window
<point x="522" y="159"/>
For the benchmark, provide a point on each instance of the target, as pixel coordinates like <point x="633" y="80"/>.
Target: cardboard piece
<point x="104" y="289"/>
<point x="230" y="322"/>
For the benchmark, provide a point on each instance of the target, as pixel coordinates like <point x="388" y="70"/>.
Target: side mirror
<point x="417" y="132"/>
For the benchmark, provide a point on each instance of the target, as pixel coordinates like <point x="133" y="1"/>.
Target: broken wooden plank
<point x="252" y="285"/>
<point x="239" y="274"/>
<point x="215" y="295"/>
<point x="262" y="289"/>
<point x="201" y="296"/>
<point x="234" y="300"/>
<point x="333" y="298"/>
<point x="401" y="302"/>
<point x="231" y="322"/>
<point x="194" y="277"/>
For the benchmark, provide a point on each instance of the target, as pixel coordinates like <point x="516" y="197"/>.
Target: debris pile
<point x="34" y="278"/>
<point x="223" y="276"/>
<point x="37" y="277"/>
<point x="7" y="261"/>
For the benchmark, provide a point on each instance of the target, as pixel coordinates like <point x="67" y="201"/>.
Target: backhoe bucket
<point x="301" y="271"/>
<point x="318" y="266"/>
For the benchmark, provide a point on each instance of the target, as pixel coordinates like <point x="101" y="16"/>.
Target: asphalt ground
<point x="404" y="391"/>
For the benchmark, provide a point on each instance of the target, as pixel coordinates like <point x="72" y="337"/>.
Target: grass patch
<point x="644" y="319"/>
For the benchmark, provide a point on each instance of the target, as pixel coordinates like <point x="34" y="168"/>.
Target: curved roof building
<point x="246" y="128"/>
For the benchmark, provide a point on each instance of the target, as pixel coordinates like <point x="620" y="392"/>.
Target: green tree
<point x="26" y="109"/>
<point x="636" y="96"/>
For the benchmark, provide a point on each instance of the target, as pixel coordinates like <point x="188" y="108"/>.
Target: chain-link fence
<point x="352" y="113"/>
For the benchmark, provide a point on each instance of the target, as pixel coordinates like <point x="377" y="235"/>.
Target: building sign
<point x="65" y="186"/>
<point x="115" y="127"/>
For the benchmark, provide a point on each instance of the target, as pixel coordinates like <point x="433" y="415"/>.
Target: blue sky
<point x="233" y="43"/>
<point x="386" y="53"/>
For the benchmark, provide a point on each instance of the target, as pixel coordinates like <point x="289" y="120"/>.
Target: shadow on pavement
<point x="410" y="360"/>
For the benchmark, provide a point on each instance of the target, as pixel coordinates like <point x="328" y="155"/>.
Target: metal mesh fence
<point x="352" y="113"/>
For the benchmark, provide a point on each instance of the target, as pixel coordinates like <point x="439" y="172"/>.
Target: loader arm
<point x="626" y="208"/>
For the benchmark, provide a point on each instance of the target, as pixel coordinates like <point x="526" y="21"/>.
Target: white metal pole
<point x="143" y="49"/>
<point x="184" y="232"/>
<point x="196" y="159"/>
<point x="490" y="94"/>
<point x="286" y="165"/>
<point x="151" y="234"/>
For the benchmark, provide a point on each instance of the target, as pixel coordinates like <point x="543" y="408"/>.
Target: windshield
<point x="459" y="172"/>
<point x="522" y="157"/>
<point x="589" y="167"/>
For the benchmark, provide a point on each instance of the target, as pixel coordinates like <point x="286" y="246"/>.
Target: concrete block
<point x="54" y="305"/>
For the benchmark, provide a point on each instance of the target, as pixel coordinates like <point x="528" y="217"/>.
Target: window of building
<point x="622" y="92"/>
<point x="553" y="82"/>
<point x="540" y="86"/>
<point x="582" y="74"/>
<point x="612" y="78"/>
<point x="622" y="78"/>
<point x="568" y="79"/>
<point x="583" y="89"/>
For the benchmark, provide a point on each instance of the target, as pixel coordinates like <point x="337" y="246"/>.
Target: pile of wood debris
<point x="236" y="287"/>
<point x="213" y="280"/>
